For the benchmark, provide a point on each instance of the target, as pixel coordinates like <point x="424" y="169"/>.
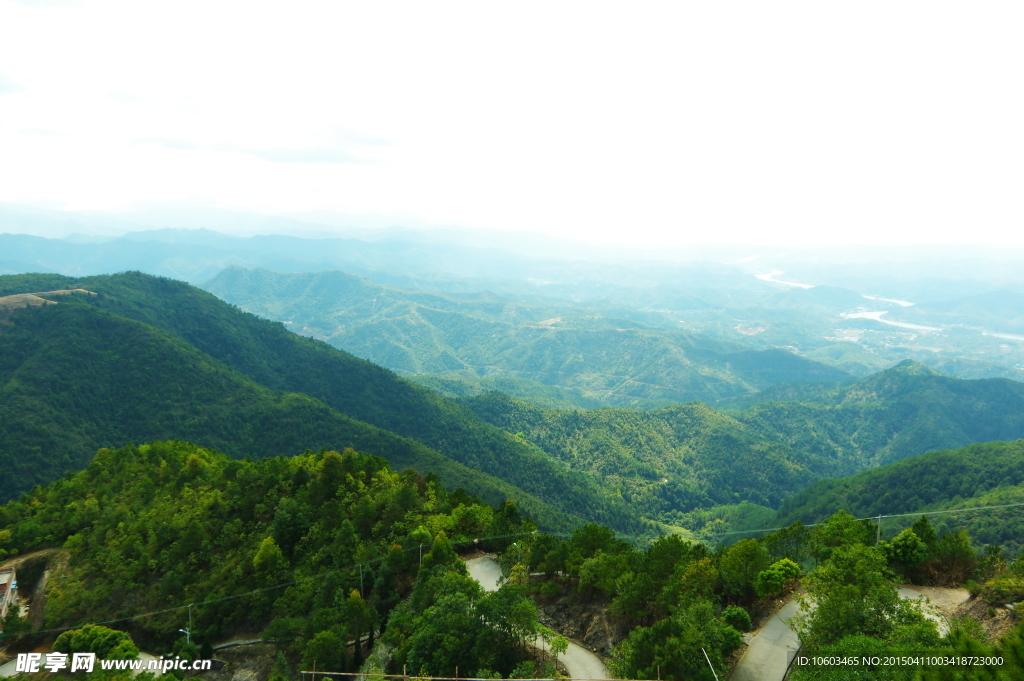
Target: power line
<point x="891" y="515"/>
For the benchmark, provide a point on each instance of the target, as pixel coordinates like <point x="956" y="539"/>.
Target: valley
<point x="659" y="472"/>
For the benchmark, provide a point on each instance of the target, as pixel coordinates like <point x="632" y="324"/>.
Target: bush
<point x="731" y="640"/>
<point x="109" y="644"/>
<point x="1003" y="590"/>
<point x="737" y="618"/>
<point x="773" y="580"/>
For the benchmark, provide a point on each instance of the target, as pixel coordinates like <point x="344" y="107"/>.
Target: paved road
<point x="486" y="571"/>
<point x="768" y="653"/>
<point x="942" y="598"/>
<point x="578" y="661"/>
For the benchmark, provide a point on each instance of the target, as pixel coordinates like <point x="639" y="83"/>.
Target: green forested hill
<point x="76" y="379"/>
<point x="666" y="461"/>
<point x="222" y="352"/>
<point x="313" y="551"/>
<point x="614" y="361"/>
<point x="907" y="410"/>
<point x="984" y="474"/>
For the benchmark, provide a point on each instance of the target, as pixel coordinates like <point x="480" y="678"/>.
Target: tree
<point x="841" y="529"/>
<point x="327" y="650"/>
<point x="739" y="566"/>
<point x="905" y="552"/>
<point x="359" y="617"/>
<point x="737" y="618"/>
<point x="269" y="562"/>
<point x="691" y="583"/>
<point x="672" y="647"/>
<point x="773" y="580"/>
<point x="952" y="559"/>
<point x="107" y="643"/>
<point x="853" y="593"/>
<point x="14" y="624"/>
<point x="793" y="542"/>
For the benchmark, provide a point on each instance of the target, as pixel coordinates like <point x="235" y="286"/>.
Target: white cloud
<point x="790" y="121"/>
<point x="8" y="86"/>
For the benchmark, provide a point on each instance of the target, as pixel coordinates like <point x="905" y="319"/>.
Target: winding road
<point x="768" y="654"/>
<point x="578" y="661"/>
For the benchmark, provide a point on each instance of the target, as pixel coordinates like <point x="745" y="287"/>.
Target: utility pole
<point x="188" y="632"/>
<point x="878" y="534"/>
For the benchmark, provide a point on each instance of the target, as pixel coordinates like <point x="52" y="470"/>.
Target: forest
<point x="327" y="548"/>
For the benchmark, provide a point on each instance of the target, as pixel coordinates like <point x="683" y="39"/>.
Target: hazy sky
<point x="642" y="122"/>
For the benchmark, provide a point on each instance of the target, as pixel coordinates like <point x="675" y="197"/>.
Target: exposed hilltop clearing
<point x="19" y="300"/>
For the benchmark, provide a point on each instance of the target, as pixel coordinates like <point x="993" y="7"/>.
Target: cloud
<point x="48" y="3"/>
<point x="8" y="86"/>
<point x="299" y="155"/>
<point x="124" y="97"/>
<point x="169" y="143"/>
<point x="40" y="132"/>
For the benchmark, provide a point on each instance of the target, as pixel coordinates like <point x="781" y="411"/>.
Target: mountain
<point x="149" y="357"/>
<point x="666" y="462"/>
<point x="614" y="361"/>
<point x="983" y="474"/>
<point x="1000" y="311"/>
<point x="903" y="411"/>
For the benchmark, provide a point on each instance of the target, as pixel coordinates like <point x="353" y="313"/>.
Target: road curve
<point x="578" y="661"/>
<point x="768" y="653"/>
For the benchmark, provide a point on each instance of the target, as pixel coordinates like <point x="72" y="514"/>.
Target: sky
<point x="637" y="123"/>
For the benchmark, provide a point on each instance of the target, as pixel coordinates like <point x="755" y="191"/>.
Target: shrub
<point x="773" y="580"/>
<point x="737" y="618"/>
<point x="1003" y="590"/>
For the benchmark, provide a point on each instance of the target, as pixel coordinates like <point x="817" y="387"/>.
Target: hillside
<point x="149" y="357"/>
<point x="615" y="361"/>
<point x="167" y="535"/>
<point x="666" y="462"/>
<point x="984" y="474"/>
<point x="907" y="410"/>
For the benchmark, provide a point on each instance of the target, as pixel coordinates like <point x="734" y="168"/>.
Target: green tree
<point x="674" y="647"/>
<point x="840" y="529"/>
<point x="905" y="552"/>
<point x="269" y="561"/>
<point x="14" y="624"/>
<point x="737" y="618"/>
<point x="93" y="638"/>
<point x="327" y="650"/>
<point x="739" y="566"/>
<point x="772" y="580"/>
<point x="853" y="593"/>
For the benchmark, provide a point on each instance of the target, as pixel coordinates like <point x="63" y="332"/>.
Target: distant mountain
<point x="985" y="474"/>
<point x="666" y="462"/>
<point x="615" y="362"/>
<point x="154" y="358"/>
<point x="901" y="412"/>
<point x="999" y="311"/>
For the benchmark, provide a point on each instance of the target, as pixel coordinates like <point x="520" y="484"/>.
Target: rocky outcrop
<point x="588" y="624"/>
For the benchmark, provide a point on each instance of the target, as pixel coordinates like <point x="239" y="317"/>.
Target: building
<point x="7" y="583"/>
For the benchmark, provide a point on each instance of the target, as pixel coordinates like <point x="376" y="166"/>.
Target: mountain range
<point x="132" y="358"/>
